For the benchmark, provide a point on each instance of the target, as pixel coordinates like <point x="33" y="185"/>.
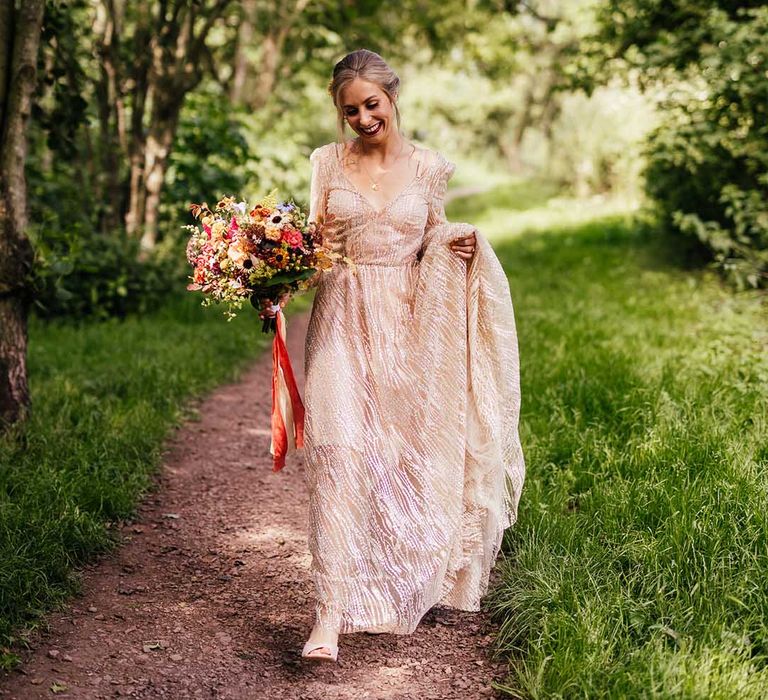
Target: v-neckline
<point x="365" y="199"/>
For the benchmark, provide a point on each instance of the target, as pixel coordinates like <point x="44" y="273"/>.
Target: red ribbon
<point x="291" y="425"/>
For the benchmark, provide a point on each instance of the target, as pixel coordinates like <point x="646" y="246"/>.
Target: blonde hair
<point x="366" y="65"/>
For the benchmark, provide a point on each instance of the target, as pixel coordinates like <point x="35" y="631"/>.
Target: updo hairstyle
<point x="368" y="66"/>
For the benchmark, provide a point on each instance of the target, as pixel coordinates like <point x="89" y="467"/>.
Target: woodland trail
<point x="210" y="596"/>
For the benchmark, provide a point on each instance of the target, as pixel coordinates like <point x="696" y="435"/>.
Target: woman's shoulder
<point x="323" y="152"/>
<point x="435" y="165"/>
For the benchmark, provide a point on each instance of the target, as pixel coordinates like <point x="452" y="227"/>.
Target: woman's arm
<point x="442" y="170"/>
<point x="317" y="192"/>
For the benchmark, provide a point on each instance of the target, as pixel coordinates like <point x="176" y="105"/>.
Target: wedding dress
<point x="412" y="456"/>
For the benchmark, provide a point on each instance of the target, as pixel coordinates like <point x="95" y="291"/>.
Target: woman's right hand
<point x="268" y="309"/>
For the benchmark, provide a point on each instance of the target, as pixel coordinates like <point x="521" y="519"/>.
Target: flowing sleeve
<point x="317" y="185"/>
<point x="441" y="172"/>
<point x="318" y="190"/>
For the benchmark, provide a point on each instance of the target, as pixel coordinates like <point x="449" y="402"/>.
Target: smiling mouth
<point x="373" y="130"/>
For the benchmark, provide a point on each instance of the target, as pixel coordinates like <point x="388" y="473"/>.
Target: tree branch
<point x="213" y="16"/>
<point x="550" y="21"/>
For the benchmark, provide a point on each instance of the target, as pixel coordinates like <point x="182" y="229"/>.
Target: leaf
<point x="288" y="277"/>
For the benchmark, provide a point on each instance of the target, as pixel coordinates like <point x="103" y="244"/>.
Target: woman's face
<point x="368" y="111"/>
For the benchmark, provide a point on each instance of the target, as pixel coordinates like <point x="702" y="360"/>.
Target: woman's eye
<point x="373" y="106"/>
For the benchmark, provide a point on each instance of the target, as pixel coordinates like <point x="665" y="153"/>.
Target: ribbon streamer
<point x="287" y="407"/>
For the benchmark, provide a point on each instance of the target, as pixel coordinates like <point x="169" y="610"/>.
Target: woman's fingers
<point x="464" y="247"/>
<point x="268" y="310"/>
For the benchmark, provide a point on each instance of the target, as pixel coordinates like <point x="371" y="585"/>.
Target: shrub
<point x="708" y="162"/>
<point x="80" y="273"/>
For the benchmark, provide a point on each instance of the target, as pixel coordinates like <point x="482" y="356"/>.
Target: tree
<point x="708" y="161"/>
<point x="20" y="25"/>
<point x="141" y="93"/>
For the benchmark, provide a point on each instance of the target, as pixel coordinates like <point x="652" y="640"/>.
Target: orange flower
<point x="260" y="213"/>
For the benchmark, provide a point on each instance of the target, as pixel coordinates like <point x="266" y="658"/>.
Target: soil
<point x="209" y="594"/>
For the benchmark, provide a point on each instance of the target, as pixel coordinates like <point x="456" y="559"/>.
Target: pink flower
<point x="292" y="237"/>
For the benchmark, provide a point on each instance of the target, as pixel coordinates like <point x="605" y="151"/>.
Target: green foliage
<point x="639" y="564"/>
<point x="708" y="160"/>
<point x="61" y="107"/>
<point x="82" y="274"/>
<point x="708" y="165"/>
<point x="211" y="156"/>
<point x="660" y="34"/>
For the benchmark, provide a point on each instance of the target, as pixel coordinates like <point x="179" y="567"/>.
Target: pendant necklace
<point x="374" y="184"/>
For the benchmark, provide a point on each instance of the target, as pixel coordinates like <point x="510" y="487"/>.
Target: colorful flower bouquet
<point x="258" y="253"/>
<point x="241" y="252"/>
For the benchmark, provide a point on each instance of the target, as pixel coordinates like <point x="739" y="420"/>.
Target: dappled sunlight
<point x="551" y="213"/>
<point x="282" y="535"/>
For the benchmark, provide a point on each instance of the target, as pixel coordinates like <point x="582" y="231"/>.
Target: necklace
<point x="374" y="183"/>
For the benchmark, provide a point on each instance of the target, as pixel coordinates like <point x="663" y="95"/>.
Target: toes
<point x="320" y="651"/>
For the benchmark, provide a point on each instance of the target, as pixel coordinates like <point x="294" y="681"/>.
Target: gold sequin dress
<point x="412" y="455"/>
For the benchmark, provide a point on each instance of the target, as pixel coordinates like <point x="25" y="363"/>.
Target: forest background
<point x="142" y="108"/>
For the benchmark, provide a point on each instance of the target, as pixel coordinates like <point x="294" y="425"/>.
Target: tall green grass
<point x="104" y="396"/>
<point x="639" y="564"/>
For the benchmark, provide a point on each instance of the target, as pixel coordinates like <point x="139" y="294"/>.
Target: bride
<point x="412" y="455"/>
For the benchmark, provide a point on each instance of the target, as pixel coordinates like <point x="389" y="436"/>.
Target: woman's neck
<point x="387" y="151"/>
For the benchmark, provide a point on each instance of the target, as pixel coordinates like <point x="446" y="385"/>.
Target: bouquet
<point x="255" y="253"/>
<point x="260" y="252"/>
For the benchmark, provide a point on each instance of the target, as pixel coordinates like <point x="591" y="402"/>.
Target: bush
<point x="80" y="273"/>
<point x="708" y="163"/>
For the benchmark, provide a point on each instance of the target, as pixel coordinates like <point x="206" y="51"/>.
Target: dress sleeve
<point x="442" y="170"/>
<point x="318" y="190"/>
<point x="317" y="185"/>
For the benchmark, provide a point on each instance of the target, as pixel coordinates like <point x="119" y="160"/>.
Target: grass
<point x="104" y="397"/>
<point x="639" y="564"/>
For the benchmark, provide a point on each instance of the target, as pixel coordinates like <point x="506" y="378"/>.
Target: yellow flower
<point x="270" y="201"/>
<point x="217" y="230"/>
<point x="324" y="261"/>
<point x="273" y="233"/>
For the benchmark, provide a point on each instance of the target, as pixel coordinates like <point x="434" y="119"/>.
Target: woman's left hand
<point x="464" y="247"/>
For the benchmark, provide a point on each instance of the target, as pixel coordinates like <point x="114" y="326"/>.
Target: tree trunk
<point x="111" y="110"/>
<point x="240" y="74"/>
<point x="174" y="66"/>
<point x="161" y="136"/>
<point x="19" y="41"/>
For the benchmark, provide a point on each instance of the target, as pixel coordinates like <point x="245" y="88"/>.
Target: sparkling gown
<point x="412" y="456"/>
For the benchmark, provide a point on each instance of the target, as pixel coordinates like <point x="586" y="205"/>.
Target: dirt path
<point x="210" y="596"/>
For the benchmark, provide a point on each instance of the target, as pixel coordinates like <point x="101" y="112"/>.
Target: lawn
<point x="639" y="564"/>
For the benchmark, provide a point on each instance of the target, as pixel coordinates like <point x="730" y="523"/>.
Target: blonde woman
<point x="412" y="455"/>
